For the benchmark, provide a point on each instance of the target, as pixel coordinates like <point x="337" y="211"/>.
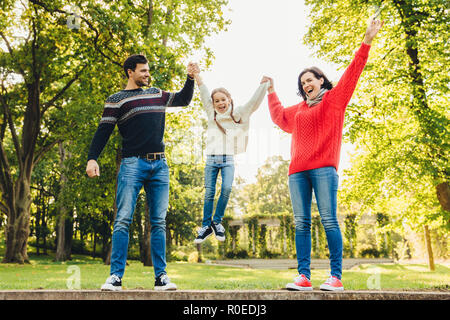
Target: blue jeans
<point x="324" y="182"/>
<point x="214" y="164"/>
<point x="154" y="176"/>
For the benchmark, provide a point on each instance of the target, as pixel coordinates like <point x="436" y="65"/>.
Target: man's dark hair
<point x="132" y="61"/>
<point x="318" y="74"/>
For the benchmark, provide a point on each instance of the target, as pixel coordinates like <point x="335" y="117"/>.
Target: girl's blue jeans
<point x="324" y="182"/>
<point x="214" y="164"/>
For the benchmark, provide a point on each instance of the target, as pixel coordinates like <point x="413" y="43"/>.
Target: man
<point x="140" y="117"/>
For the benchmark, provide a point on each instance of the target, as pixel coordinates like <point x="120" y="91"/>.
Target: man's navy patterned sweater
<point x="140" y="116"/>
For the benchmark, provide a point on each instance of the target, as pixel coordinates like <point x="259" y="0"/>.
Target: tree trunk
<point x="18" y="224"/>
<point x="17" y="194"/>
<point x="64" y="233"/>
<point x="64" y="229"/>
<point x="44" y="228"/>
<point x="429" y="248"/>
<point x="38" y="224"/>
<point x="199" y="250"/>
<point x="118" y="161"/>
<point x="95" y="245"/>
<point x="443" y="195"/>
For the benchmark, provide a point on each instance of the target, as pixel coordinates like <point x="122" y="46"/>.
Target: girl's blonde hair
<point x="225" y="92"/>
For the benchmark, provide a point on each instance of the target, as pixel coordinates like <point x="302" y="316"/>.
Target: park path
<point x="292" y="263"/>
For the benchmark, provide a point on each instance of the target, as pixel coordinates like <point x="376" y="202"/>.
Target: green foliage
<point x="398" y="120"/>
<point x="75" y="65"/>
<point x="350" y="235"/>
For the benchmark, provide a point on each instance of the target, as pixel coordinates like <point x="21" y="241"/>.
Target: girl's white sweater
<point x="236" y="138"/>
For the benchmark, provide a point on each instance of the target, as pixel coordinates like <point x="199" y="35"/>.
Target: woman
<point x="316" y="125"/>
<point x="227" y="135"/>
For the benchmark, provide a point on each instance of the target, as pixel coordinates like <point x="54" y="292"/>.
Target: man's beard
<point x="141" y="83"/>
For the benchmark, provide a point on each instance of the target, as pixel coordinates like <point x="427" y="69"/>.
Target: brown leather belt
<point x="153" y="156"/>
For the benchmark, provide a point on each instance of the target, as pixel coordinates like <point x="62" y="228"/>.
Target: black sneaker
<point x="113" y="283"/>
<point x="162" y="283"/>
<point x="219" y="231"/>
<point x="203" y="234"/>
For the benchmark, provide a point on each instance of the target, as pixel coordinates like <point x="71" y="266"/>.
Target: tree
<point x="399" y="126"/>
<point x="49" y="48"/>
<point x="270" y="193"/>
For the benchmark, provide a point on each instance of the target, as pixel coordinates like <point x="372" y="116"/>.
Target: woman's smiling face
<point x="311" y="85"/>
<point x="221" y="102"/>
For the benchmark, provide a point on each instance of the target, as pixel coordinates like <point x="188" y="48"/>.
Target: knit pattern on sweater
<point x="140" y="116"/>
<point x="317" y="130"/>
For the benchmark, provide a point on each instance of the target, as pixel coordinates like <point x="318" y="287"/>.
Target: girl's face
<point x="311" y="85"/>
<point x="221" y="102"/>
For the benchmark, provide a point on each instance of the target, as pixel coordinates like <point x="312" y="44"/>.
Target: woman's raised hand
<point x="373" y="27"/>
<point x="270" y="89"/>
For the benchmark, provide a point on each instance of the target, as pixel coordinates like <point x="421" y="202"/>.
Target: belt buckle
<point x="153" y="156"/>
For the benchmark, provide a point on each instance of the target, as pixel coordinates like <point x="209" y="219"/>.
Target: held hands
<point x="373" y="27"/>
<point x="194" y="72"/>
<point x="271" y="88"/>
<point x="92" y="169"/>
<point x="193" y="69"/>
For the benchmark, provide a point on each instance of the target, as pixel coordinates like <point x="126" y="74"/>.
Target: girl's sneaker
<point x="301" y="283"/>
<point x="219" y="231"/>
<point x="203" y="234"/>
<point x="332" y="284"/>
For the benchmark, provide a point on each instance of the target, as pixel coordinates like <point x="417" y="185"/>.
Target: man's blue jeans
<point x="154" y="176"/>
<point x="214" y="164"/>
<point x="324" y="182"/>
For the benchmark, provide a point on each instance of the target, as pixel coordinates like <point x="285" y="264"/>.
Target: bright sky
<point x="264" y="38"/>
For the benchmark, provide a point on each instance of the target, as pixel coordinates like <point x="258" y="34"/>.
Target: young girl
<point x="227" y="135"/>
<point x="316" y="126"/>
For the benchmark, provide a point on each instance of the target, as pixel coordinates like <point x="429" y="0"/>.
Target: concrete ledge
<point x="218" y="295"/>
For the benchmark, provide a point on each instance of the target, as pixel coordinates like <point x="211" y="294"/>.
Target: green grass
<point x="44" y="273"/>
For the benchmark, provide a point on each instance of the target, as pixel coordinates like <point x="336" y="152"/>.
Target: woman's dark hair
<point x="132" y="61"/>
<point x="318" y="74"/>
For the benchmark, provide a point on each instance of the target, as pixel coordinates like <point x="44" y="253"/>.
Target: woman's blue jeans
<point x="154" y="176"/>
<point x="214" y="164"/>
<point x="324" y="182"/>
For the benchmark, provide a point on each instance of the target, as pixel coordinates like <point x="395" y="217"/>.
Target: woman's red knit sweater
<point x="317" y="130"/>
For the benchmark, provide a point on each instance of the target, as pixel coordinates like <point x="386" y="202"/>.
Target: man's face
<point x="140" y="75"/>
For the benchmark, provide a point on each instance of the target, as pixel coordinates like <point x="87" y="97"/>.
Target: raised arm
<point x="255" y="101"/>
<point x="205" y="95"/>
<point x="282" y="117"/>
<point x="341" y="94"/>
<point x="184" y="97"/>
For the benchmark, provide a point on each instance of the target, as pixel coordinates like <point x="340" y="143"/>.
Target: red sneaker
<point x="332" y="284"/>
<point x="301" y="283"/>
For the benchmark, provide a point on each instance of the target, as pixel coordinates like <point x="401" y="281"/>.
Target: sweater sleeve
<point x="341" y="94"/>
<point x="110" y="116"/>
<point x="183" y="97"/>
<point x="205" y="97"/>
<point x="99" y="140"/>
<point x="255" y="101"/>
<point x="282" y="117"/>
